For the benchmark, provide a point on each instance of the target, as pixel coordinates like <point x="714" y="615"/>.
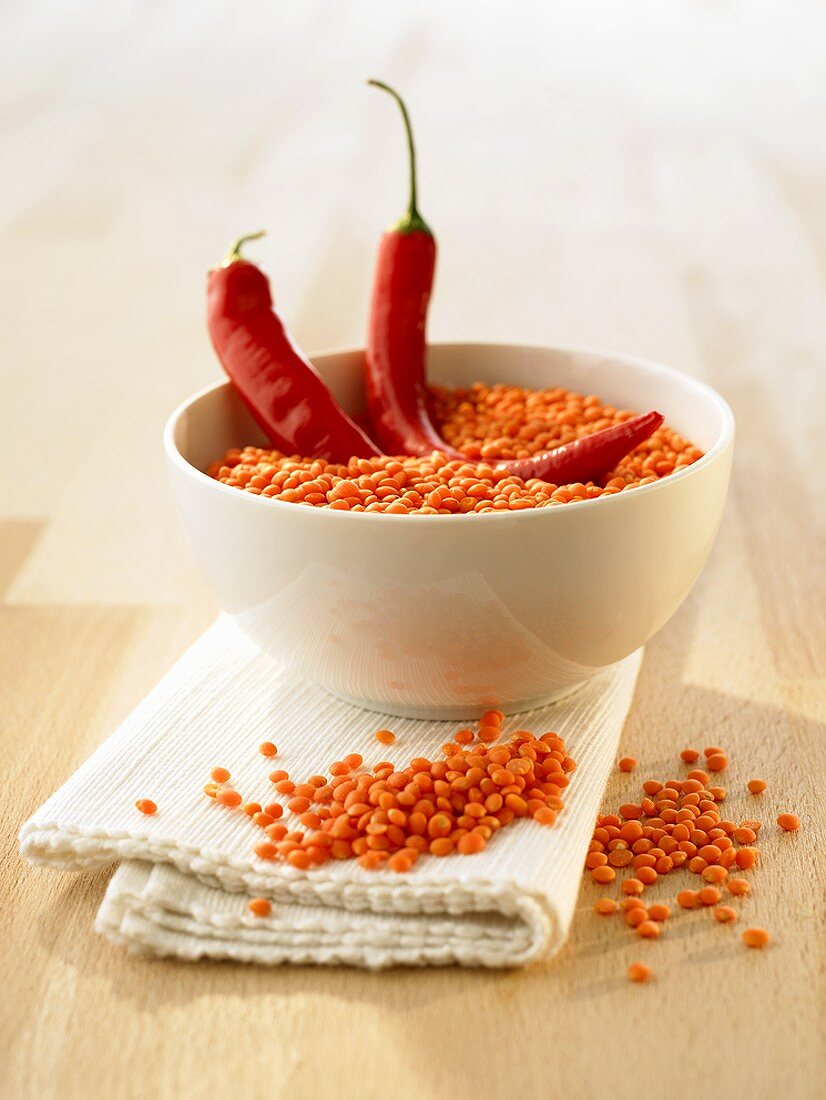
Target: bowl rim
<point x="720" y="446"/>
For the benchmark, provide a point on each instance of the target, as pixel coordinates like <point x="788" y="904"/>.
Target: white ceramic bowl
<point x="438" y="616"/>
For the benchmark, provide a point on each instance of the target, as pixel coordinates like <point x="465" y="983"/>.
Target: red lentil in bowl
<point x="486" y="423"/>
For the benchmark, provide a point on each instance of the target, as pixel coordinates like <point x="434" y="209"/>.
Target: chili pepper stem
<point x="412" y="221"/>
<point x="234" y="253"/>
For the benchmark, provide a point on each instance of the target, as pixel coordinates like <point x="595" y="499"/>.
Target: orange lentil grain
<point x="715" y="875"/>
<point x="441" y="846"/>
<point x="603" y="875"/>
<point x="631" y="903"/>
<point x="606" y="906"/>
<point x="659" y="912"/>
<point x="648" y="930"/>
<point x="267" y="748"/>
<point x="725" y="914"/>
<point x="687" y="899"/>
<point x="746" y="858"/>
<point x="471" y="843"/>
<point x="146" y="806"/>
<point x="259" y="907"/>
<point x="717" y="762"/>
<point x="738" y="886"/>
<point x="708" y="895"/>
<point x="627" y="764"/>
<point x="789" y="823"/>
<point x="635" y="917"/>
<point x="756" y="786"/>
<point x="385" y="737"/>
<point x="690" y="756"/>
<point x="639" y="972"/>
<point x="400" y="862"/>
<point x="299" y="859"/>
<point x="632" y="886"/>
<point x="544" y="815"/>
<point x="756" y="937"/>
<point x="220" y="775"/>
<point x="228" y="797"/>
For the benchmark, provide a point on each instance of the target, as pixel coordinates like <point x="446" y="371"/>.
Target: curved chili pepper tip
<point x="587" y="458"/>
<point x="234" y="253"/>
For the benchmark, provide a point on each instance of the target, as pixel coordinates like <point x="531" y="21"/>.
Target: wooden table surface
<point x="639" y="176"/>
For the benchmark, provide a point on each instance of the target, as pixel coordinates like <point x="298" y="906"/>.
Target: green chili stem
<point x="234" y="253"/>
<point x="412" y="220"/>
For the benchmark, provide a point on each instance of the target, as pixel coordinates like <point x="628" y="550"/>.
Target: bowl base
<point x="461" y="712"/>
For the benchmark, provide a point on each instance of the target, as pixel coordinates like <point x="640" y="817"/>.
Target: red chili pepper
<point x="587" y="458"/>
<point x="279" y="385"/>
<point x="394" y="365"/>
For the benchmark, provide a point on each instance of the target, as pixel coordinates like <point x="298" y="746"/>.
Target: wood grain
<point x="642" y="176"/>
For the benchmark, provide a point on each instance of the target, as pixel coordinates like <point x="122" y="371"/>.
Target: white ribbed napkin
<point x="189" y="869"/>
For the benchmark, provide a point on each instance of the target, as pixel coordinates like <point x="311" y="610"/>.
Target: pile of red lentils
<point x="485" y="423"/>
<point x="678" y="823"/>
<point x="388" y="817"/>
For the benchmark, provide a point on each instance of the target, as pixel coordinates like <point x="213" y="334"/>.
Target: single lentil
<point x="649" y="929"/>
<point x="756" y="937"/>
<point x="659" y="912"/>
<point x="639" y="972"/>
<point x="725" y="914"/>
<point x="146" y="806"/>
<point x="738" y="886"/>
<point x="632" y="886"/>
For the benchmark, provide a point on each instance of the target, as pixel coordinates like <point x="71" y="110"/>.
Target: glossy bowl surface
<point x="437" y="616"/>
